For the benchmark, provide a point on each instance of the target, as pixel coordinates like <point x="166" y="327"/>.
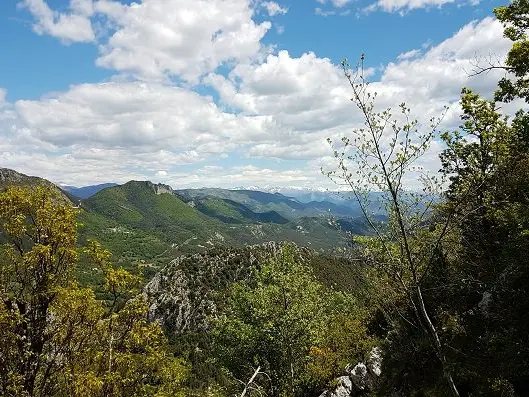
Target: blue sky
<point x="220" y="92"/>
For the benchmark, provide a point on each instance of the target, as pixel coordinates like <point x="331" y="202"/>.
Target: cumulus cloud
<point x="111" y="9"/>
<point x="137" y="115"/>
<point x="307" y="93"/>
<point x="79" y="164"/>
<point x="273" y="106"/>
<point x="74" y="26"/>
<point x="409" y="54"/>
<point x="82" y="7"/>
<point x="444" y="69"/>
<point x="290" y="89"/>
<point x="307" y="96"/>
<point x="182" y="38"/>
<point x="155" y="40"/>
<point x="241" y="176"/>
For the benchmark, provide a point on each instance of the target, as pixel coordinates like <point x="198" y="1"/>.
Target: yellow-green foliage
<point x="298" y="332"/>
<point x="56" y="338"/>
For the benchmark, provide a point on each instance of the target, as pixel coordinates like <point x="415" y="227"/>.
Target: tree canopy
<point x="57" y="339"/>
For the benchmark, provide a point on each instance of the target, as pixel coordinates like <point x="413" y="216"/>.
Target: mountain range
<point x="86" y="191"/>
<point x="289" y="202"/>
<point x="148" y="224"/>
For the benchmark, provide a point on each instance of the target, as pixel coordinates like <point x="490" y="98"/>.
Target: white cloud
<point x="409" y="55"/>
<point x="154" y="40"/>
<point x="444" y="69"/>
<point x="282" y="86"/>
<point x="274" y="8"/>
<point x="139" y="115"/>
<point x="182" y="38"/>
<point x="82" y="7"/>
<point x="68" y="27"/>
<point x="109" y="8"/>
<point x="89" y="166"/>
<point x="324" y="13"/>
<point x="307" y="97"/>
<point x="300" y="149"/>
<point x="81" y="164"/>
<point x="335" y="3"/>
<point x="407" y="5"/>
<point x="277" y="107"/>
<point x="242" y="176"/>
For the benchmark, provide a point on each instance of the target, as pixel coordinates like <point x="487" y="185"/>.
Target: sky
<point x="223" y="93"/>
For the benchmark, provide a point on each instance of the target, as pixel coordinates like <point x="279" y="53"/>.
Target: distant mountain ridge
<point x="272" y="205"/>
<point x="87" y="191"/>
<point x="148" y="224"/>
<point x="287" y="202"/>
<point x="288" y="207"/>
<point x="228" y="205"/>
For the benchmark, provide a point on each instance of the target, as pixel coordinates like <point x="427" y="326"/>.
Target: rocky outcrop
<point x="8" y="176"/>
<point x="158" y="188"/>
<point x="190" y="289"/>
<point x="484" y="304"/>
<point x="360" y="379"/>
<point x="184" y="294"/>
<point x="344" y="388"/>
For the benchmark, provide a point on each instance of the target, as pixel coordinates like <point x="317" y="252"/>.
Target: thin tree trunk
<point x="250" y="382"/>
<point x="437" y="344"/>
<point x="394" y="188"/>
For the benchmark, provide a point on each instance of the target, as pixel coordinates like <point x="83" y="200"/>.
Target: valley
<point x="209" y="198"/>
<point x="146" y="225"/>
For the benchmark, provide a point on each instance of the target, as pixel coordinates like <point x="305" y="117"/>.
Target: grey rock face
<point x="344" y="388"/>
<point x="485" y="302"/>
<point x="187" y="292"/>
<point x="160" y="188"/>
<point x="11" y="176"/>
<point x="7" y="175"/>
<point x="361" y="378"/>
<point x="375" y="361"/>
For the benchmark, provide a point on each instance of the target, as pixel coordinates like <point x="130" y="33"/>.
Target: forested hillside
<point x="144" y="290"/>
<point x="146" y="225"/>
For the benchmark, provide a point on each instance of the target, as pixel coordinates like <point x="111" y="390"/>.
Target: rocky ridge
<point x="360" y="379"/>
<point x="186" y="292"/>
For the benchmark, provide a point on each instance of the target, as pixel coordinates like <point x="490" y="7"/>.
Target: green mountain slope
<point x="149" y="224"/>
<point x="261" y="202"/>
<point x="230" y="211"/>
<point x="146" y="206"/>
